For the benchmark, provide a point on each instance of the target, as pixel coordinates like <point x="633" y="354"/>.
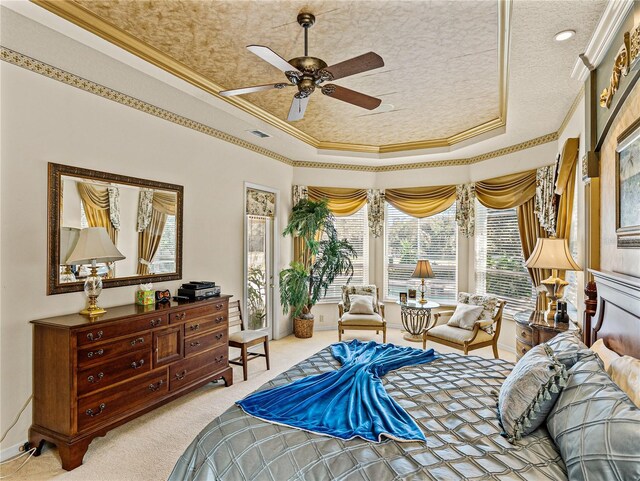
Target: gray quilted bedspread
<point x="453" y="399"/>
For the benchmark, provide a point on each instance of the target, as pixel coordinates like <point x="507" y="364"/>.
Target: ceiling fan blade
<point x="268" y="55"/>
<point x="362" y="63"/>
<point x="298" y="106"/>
<point x="351" y="96"/>
<point x="256" y="88"/>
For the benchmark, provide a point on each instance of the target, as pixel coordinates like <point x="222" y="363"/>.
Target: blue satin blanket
<point x="348" y="402"/>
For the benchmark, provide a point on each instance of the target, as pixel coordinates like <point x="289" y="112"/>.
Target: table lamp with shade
<point x="422" y="271"/>
<point x="68" y="240"/>
<point x="552" y="253"/>
<point x="94" y="245"/>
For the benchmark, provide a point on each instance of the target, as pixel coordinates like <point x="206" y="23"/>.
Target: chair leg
<point x="495" y="350"/>
<point x="340" y="332"/>
<point x="377" y="332"/>
<point x="244" y="361"/>
<point x="466" y="349"/>
<point x="266" y="353"/>
<point x="424" y="341"/>
<point x="384" y="334"/>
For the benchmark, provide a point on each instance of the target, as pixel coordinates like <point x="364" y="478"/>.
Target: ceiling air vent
<point x="259" y="133"/>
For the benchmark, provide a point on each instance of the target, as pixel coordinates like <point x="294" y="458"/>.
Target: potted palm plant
<point x="322" y="257"/>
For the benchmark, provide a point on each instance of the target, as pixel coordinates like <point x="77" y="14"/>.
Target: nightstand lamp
<point x="68" y="240"/>
<point x="94" y="245"/>
<point x="552" y="253"/>
<point x="422" y="271"/>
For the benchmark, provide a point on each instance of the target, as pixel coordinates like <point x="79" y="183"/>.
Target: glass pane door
<point x="259" y="274"/>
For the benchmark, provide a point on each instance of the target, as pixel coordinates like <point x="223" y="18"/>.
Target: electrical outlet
<point x="321" y="318"/>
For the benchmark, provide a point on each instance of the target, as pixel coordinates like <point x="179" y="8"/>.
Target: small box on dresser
<point x="93" y="375"/>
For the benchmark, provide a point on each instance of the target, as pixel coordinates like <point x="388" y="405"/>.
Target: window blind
<point x="165" y="258"/>
<point x="499" y="263"/>
<point x="355" y="229"/>
<point x="408" y="239"/>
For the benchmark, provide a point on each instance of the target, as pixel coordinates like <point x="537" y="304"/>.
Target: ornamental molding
<point x="36" y="66"/>
<point x="620" y="69"/>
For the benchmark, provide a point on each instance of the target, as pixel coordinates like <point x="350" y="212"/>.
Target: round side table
<point x="416" y="318"/>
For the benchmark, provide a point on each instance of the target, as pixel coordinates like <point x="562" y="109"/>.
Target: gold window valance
<point x="422" y="201"/>
<point x="506" y="191"/>
<point x="342" y="201"/>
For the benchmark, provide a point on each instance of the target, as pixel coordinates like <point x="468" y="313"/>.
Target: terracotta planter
<point x="303" y="328"/>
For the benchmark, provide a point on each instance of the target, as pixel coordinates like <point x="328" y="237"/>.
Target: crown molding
<point x="36" y="66"/>
<point x="84" y="18"/>
<point x="571" y="111"/>
<point x="614" y="15"/>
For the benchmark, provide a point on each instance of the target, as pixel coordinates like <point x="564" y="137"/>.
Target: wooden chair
<point x="465" y="339"/>
<point x="244" y="339"/>
<point x="362" y="322"/>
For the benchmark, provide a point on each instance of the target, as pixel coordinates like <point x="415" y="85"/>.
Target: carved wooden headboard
<point x="612" y="312"/>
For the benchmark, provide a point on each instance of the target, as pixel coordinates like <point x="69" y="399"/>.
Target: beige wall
<point x="46" y="121"/>
<point x="625" y="261"/>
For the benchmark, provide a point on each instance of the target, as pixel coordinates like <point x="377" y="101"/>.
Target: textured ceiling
<point x="441" y="73"/>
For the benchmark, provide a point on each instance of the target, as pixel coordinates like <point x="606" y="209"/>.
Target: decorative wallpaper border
<point x="36" y="66"/>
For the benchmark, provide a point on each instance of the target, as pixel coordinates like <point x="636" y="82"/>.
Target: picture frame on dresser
<point x="628" y="187"/>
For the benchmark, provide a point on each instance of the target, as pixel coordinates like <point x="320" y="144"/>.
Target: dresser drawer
<point x="112" y="331"/>
<point x="521" y="348"/>
<point x="93" y="355"/>
<point x="104" y="405"/>
<point x="197" y="326"/>
<point x="524" y="333"/>
<point x="107" y="373"/>
<point x="196" y="344"/>
<point x="197" y="367"/>
<point x="190" y="313"/>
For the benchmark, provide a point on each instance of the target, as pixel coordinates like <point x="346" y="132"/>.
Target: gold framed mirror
<point x="142" y="217"/>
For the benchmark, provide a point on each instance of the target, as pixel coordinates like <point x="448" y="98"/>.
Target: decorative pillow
<point x="361" y="304"/>
<point x="465" y="316"/>
<point x="625" y="372"/>
<point x="488" y="303"/>
<point x="605" y="354"/>
<point x="569" y="349"/>
<point x="369" y="290"/>
<point x="529" y="392"/>
<point x="596" y="427"/>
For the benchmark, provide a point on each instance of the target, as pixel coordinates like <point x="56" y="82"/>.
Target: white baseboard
<point x="10" y="452"/>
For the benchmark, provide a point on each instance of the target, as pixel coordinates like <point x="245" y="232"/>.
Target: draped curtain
<point x="298" y="193"/>
<point x="565" y="188"/>
<point x="97" y="208"/>
<point x="422" y="201"/>
<point x="507" y="191"/>
<point x="530" y="230"/>
<point x="342" y="202"/>
<point x="152" y="217"/>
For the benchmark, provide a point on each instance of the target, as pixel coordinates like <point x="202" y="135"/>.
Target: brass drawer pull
<point x="99" y="352"/>
<point x="524" y="333"/>
<point x="218" y="320"/>
<point x="523" y="350"/>
<point x="219" y="306"/>
<point x="180" y="376"/>
<point x="97" y="337"/>
<point x="156" y="386"/>
<point x="91" y="413"/>
<point x="137" y="365"/>
<point x="155" y="322"/>
<point x="180" y="316"/>
<point x="139" y="340"/>
<point x="194" y="327"/>
<point x="219" y="359"/>
<point x="195" y="343"/>
<point x="98" y="377"/>
<point x="219" y="336"/>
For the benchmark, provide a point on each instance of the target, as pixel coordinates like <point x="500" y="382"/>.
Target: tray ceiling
<point x="444" y="70"/>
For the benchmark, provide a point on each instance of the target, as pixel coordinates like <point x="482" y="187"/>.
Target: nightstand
<point x="532" y="329"/>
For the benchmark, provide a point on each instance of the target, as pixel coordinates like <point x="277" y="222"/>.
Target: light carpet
<point x="147" y="448"/>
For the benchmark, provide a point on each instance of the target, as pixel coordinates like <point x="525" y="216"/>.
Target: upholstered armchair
<point x="484" y="333"/>
<point x="360" y="321"/>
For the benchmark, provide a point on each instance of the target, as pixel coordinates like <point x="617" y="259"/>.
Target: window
<point x="355" y="229"/>
<point x="408" y="239"/>
<point x="165" y="258"/>
<point x="500" y="266"/>
<point x="571" y="291"/>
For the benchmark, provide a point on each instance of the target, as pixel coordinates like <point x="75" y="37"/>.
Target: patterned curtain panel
<point x="114" y="207"/>
<point x="545" y="199"/>
<point x="261" y="203"/>
<point x="466" y="209"/>
<point x="145" y="206"/>
<point x="342" y="202"/>
<point x="299" y="192"/>
<point x="375" y="203"/>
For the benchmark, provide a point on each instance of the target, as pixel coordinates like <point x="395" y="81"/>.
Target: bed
<point x="453" y="399"/>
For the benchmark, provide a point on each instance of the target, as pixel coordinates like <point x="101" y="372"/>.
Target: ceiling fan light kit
<point x="306" y="73"/>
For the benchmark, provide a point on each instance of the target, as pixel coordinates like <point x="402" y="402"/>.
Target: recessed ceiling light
<point x="385" y="108"/>
<point x="564" y="35"/>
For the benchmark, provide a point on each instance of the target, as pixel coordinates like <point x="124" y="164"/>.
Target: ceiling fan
<point x="306" y="73"/>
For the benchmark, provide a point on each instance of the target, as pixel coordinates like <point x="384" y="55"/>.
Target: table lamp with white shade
<point x="94" y="245"/>
<point x="552" y="253"/>
<point x="68" y="240"/>
<point x="422" y="271"/>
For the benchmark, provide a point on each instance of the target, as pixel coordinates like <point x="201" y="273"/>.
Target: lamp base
<point x="555" y="290"/>
<point x="93" y="312"/>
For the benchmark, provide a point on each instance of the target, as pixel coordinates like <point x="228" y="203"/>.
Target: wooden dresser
<point x="91" y="376"/>
<point x="532" y="329"/>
